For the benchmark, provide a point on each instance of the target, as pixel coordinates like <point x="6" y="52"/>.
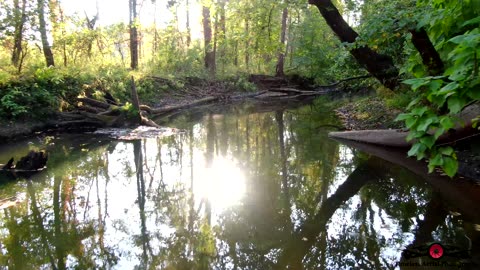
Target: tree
<point x="379" y="65"/>
<point x="281" y="54"/>
<point x="47" y="51"/>
<point x="189" y="34"/>
<point x="133" y="34"/>
<point x="20" y="18"/>
<point x="207" y="34"/>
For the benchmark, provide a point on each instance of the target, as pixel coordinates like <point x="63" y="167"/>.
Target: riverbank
<point x="372" y="112"/>
<point x="369" y="112"/>
<point x="159" y="98"/>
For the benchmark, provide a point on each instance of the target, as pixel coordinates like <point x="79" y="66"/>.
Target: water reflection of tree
<point x="290" y="167"/>
<point x="51" y="229"/>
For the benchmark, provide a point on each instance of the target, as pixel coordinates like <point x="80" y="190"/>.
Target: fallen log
<point x="398" y="138"/>
<point x="28" y="165"/>
<point x="90" y="109"/>
<point x="290" y="91"/>
<point x="344" y="80"/>
<point x="94" y="103"/>
<point x="167" y="109"/>
<point x="385" y="137"/>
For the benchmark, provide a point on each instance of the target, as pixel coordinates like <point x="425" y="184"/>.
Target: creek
<point x="243" y="189"/>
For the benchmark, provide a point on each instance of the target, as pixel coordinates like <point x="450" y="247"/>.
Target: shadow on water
<point x="235" y="190"/>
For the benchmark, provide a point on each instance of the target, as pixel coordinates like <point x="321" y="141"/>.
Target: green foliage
<point x="36" y="95"/>
<point x="130" y="111"/>
<point x="439" y="98"/>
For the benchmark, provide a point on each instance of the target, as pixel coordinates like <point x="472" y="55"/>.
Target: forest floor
<point x="368" y="113"/>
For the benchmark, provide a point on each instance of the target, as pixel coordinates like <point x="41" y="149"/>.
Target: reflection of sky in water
<point x="387" y="229"/>
<point x="223" y="184"/>
<point x="244" y="189"/>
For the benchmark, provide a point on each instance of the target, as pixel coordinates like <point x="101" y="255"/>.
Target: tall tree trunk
<point x="247" y="44"/>
<point x="222" y="34"/>
<point x="207" y="33"/>
<point x="379" y="65"/>
<point x="47" y="51"/>
<point x="189" y="35"/>
<point x="133" y="35"/>
<point x="58" y="26"/>
<point x="215" y="38"/>
<point x="281" y="54"/>
<point x="235" y="50"/>
<point x="20" y="18"/>
<point x="91" y="26"/>
<point x="155" y="32"/>
<point x="64" y="42"/>
<point x="430" y="57"/>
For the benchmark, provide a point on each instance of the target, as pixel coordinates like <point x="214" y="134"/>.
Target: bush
<point x="40" y="93"/>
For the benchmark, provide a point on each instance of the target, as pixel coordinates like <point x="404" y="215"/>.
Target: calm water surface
<point x="233" y="191"/>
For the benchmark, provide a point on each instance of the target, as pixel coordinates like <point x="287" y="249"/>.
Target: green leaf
<point x="416" y="149"/>
<point x="419" y="111"/>
<point x="428" y="141"/>
<point x="455" y="104"/>
<point x="413" y="102"/>
<point x="402" y="116"/>
<point x="435" y="85"/>
<point x="472" y="21"/>
<point x="439" y="132"/>
<point x="448" y="88"/>
<point x="410" y="122"/>
<point x="447" y="151"/>
<point x="447" y="122"/>
<point x="450" y="166"/>
<point x="416" y="83"/>
<point x="431" y="167"/>
<point x="423" y="125"/>
<point x="437" y="160"/>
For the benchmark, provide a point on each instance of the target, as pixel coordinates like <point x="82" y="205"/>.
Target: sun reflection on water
<point x="222" y="184"/>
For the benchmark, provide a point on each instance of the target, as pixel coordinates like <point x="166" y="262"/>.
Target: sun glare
<point x="223" y="184"/>
<point x="114" y="11"/>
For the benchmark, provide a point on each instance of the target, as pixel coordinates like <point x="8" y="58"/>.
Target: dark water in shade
<point x="236" y="191"/>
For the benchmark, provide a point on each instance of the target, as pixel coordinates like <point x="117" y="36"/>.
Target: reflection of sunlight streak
<point x="223" y="184"/>
<point x="341" y="172"/>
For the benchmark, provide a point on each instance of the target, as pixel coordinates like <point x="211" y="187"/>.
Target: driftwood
<point x="110" y="114"/>
<point x="167" y="109"/>
<point x="26" y="166"/>
<point x="93" y="112"/>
